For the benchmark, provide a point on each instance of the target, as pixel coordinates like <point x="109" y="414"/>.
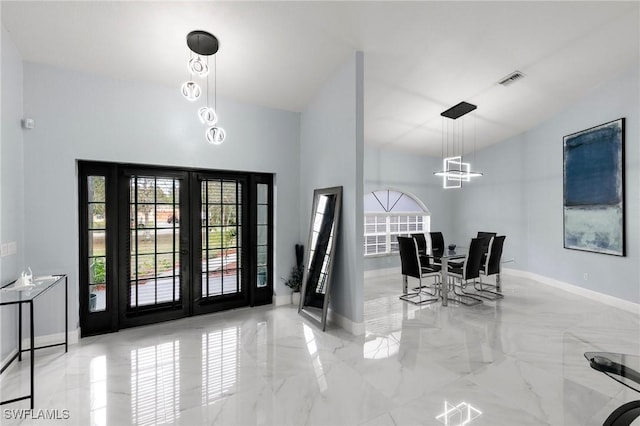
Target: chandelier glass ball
<point x="215" y="135"/>
<point x="207" y="116"/>
<point x="191" y="91"/>
<point x="198" y="66"/>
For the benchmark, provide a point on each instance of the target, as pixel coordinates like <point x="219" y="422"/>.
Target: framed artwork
<point x="594" y="189"/>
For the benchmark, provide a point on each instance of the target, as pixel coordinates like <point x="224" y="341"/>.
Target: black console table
<point x="12" y="295"/>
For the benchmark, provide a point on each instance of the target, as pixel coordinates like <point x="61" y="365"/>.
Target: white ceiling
<point x="420" y="57"/>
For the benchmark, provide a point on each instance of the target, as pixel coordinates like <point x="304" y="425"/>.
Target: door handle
<point x="184" y="251"/>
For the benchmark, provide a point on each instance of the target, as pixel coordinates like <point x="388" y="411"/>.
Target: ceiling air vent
<point x="511" y="78"/>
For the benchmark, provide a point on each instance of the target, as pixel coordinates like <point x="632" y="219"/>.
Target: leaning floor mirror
<point x="323" y="231"/>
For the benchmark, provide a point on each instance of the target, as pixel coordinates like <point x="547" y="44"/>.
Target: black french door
<point x="154" y="234"/>
<point x="158" y="244"/>
<point x="221" y="267"/>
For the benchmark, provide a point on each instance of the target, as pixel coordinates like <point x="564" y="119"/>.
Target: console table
<point x="11" y="295"/>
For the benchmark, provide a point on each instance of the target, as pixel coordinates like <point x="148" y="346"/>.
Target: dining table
<point x="446" y="256"/>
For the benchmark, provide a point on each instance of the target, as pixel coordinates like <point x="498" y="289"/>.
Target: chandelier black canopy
<point x="202" y="43"/>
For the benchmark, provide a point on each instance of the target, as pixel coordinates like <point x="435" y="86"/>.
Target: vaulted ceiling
<point x="420" y="57"/>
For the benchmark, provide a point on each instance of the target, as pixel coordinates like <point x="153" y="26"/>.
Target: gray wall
<point x="84" y="116"/>
<point x="496" y="202"/>
<point x="521" y="194"/>
<point x="413" y="174"/>
<point x="331" y="154"/>
<point x="12" y="183"/>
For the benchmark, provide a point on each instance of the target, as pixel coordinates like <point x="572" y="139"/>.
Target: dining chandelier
<point x="454" y="169"/>
<point x="203" y="45"/>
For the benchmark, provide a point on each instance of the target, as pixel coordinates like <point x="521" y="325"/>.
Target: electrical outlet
<point x="4" y="250"/>
<point x="585" y="276"/>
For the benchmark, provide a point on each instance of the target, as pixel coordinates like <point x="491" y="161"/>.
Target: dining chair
<point x="491" y="267"/>
<point x="488" y="235"/>
<point x="425" y="259"/>
<point x="421" y="242"/>
<point x="412" y="267"/>
<point x="469" y="271"/>
<point x="437" y="245"/>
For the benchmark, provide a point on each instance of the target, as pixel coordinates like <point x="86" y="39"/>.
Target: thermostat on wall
<point x="28" y="123"/>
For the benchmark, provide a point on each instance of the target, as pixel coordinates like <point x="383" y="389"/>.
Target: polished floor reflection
<point x="517" y="361"/>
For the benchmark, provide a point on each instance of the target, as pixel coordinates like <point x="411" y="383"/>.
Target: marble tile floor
<point x="517" y="361"/>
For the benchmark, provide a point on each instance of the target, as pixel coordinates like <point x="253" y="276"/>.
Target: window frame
<point x="410" y="218"/>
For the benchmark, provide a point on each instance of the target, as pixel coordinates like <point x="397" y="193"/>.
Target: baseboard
<point x="49" y="339"/>
<point x="372" y="273"/>
<point x="281" y="300"/>
<point x="355" y="328"/>
<point x="571" y="288"/>
<point x="52" y="339"/>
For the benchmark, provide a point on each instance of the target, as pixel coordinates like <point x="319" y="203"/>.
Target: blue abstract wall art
<point x="594" y="189"/>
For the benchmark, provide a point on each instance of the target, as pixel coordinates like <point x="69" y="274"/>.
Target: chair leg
<point x="409" y="297"/>
<point x="473" y="302"/>
<point x="436" y="287"/>
<point x="481" y="291"/>
<point x="484" y="293"/>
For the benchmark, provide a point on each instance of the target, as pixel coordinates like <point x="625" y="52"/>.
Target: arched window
<point x="388" y="214"/>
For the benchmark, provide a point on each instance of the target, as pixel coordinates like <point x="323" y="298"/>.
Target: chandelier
<point x="203" y="45"/>
<point x="454" y="169"/>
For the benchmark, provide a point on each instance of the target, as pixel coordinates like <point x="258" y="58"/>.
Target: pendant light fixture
<point x="203" y="45"/>
<point x="454" y="169"/>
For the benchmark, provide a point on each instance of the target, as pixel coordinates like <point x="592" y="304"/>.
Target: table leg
<point x="32" y="351"/>
<point x="66" y="314"/>
<point x="445" y="281"/>
<point x="405" y="284"/>
<point x="498" y="283"/>
<point x="19" y="331"/>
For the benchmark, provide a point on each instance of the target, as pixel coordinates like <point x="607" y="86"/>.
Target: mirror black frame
<point x="303" y="308"/>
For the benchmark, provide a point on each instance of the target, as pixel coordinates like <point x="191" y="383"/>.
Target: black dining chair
<point x="437" y="245"/>
<point x="488" y="236"/>
<point x="421" y="242"/>
<point x="425" y="259"/>
<point x="469" y="271"/>
<point x="412" y="267"/>
<point x="491" y="267"/>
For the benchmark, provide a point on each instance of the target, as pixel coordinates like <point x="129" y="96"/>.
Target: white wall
<point x="85" y="116"/>
<point x="11" y="183"/>
<point x="331" y="154"/>
<point x="413" y="174"/>
<point x="521" y="194"/>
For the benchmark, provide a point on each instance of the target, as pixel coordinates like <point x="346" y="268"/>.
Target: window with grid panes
<point x="389" y="214"/>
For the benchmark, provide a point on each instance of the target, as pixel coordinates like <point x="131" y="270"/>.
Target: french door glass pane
<point x="155" y="232"/>
<point x="221" y="225"/>
<point x="97" y="218"/>
<point x="263" y="215"/>
<point x="263" y="193"/>
<point x="96" y="243"/>
<point x="97" y="297"/>
<point x="95" y="186"/>
<point x="262" y="235"/>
